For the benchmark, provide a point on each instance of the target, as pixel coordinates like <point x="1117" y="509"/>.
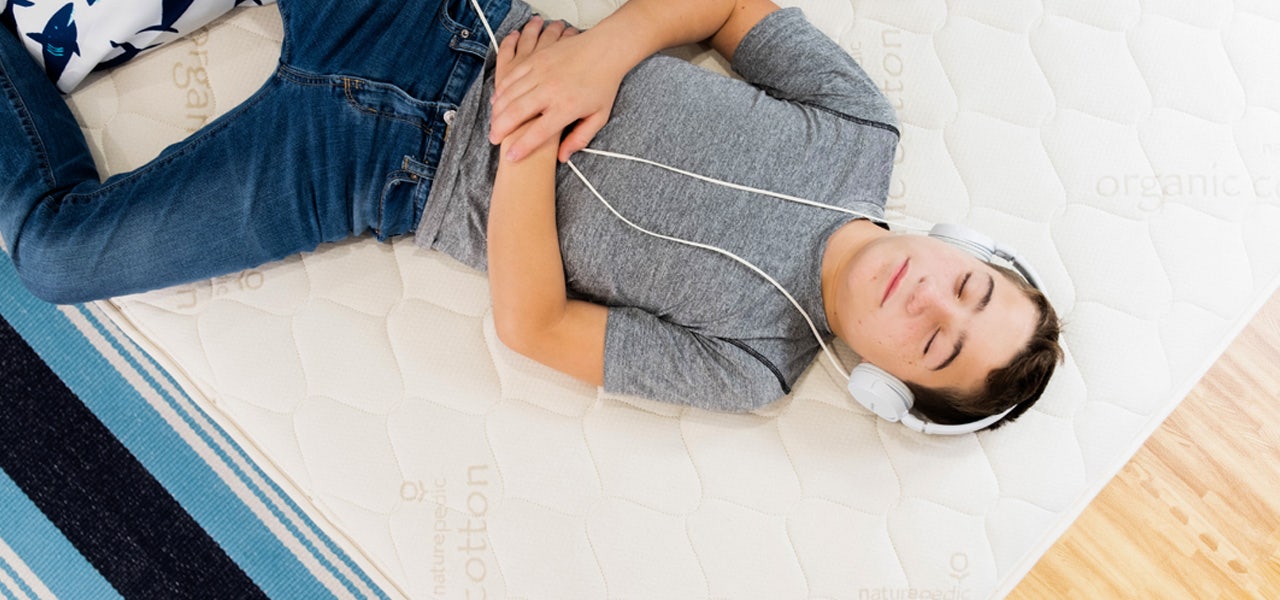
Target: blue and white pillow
<point x="71" y="38"/>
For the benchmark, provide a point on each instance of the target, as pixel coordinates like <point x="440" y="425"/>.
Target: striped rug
<point x="113" y="483"/>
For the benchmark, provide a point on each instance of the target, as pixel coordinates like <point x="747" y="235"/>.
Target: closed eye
<point x="982" y="305"/>
<point x="959" y="294"/>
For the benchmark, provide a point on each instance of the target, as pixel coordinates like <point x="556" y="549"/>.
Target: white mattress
<point x="1130" y="150"/>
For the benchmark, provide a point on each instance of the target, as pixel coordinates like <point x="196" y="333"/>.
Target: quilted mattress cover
<point x="1130" y="149"/>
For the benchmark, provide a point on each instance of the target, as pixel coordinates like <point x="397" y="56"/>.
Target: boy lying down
<point x="392" y="119"/>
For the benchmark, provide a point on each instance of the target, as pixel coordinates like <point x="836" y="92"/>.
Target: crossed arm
<point x="545" y="80"/>
<point x="579" y="78"/>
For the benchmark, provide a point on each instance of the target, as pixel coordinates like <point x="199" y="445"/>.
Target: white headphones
<point x="884" y="394"/>
<point x="871" y="386"/>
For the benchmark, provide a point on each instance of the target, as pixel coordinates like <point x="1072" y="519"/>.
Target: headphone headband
<point x="917" y="424"/>
<point x="984" y="248"/>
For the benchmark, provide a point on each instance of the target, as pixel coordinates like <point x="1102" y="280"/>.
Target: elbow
<point x="512" y="331"/>
<point x="506" y="332"/>
<point x="521" y="327"/>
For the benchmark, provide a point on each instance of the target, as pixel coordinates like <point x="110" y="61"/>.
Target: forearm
<point x="639" y="28"/>
<point x="531" y="309"/>
<point x="526" y="275"/>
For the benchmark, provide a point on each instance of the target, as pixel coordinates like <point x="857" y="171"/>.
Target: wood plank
<point x="1196" y="512"/>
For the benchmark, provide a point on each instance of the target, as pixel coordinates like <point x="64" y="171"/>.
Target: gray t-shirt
<point x="688" y="325"/>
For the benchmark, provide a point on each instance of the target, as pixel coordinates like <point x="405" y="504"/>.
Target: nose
<point x="930" y="300"/>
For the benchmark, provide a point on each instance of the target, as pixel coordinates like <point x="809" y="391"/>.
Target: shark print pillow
<point x="72" y="38"/>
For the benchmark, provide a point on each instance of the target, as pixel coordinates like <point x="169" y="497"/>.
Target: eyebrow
<point x="982" y="305"/>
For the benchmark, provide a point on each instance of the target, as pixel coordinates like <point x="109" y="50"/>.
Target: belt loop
<point x="415" y="168"/>
<point x="404" y="166"/>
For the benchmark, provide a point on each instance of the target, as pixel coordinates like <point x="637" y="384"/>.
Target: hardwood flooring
<point x="1196" y="513"/>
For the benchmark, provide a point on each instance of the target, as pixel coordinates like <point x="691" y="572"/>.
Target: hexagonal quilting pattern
<point x="1130" y="149"/>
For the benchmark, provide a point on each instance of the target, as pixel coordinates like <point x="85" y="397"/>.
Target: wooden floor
<point x="1196" y="513"/>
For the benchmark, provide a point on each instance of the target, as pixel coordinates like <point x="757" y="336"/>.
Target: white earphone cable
<point x="812" y="327"/>
<point x="484" y="20"/>
<point x="745" y="188"/>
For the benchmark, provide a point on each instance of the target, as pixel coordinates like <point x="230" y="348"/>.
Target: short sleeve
<point x="652" y="358"/>
<point x="791" y="60"/>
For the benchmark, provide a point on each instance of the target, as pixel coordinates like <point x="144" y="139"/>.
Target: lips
<point x="893" y="282"/>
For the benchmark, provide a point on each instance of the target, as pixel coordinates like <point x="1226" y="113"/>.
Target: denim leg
<point x="42" y="150"/>
<point x="324" y="150"/>
<point x="213" y="204"/>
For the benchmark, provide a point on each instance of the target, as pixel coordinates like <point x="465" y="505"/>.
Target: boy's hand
<point x="514" y="50"/>
<point x="550" y="78"/>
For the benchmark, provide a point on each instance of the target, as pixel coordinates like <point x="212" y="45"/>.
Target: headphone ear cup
<point x="880" y="392"/>
<point x="969" y="240"/>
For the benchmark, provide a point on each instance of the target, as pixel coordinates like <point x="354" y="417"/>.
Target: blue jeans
<point x="342" y="139"/>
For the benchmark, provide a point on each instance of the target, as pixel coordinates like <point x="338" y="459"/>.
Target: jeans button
<point x="465" y="33"/>
<point x="449" y="115"/>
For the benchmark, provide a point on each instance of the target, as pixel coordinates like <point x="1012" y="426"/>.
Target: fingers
<point x="538" y="133"/>
<point x="511" y="65"/>
<point x="538" y="34"/>
<point x="551" y="33"/>
<point x="502" y="84"/>
<point x="528" y="41"/>
<point x="519" y="99"/>
<point x="582" y="134"/>
<point x="515" y="89"/>
<point x="506" y="51"/>
<point x="529" y="37"/>
<point x="513" y="115"/>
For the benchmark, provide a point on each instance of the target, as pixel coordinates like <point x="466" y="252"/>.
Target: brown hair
<point x="1019" y="383"/>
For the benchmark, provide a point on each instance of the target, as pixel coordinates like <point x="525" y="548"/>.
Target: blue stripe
<point x="244" y="478"/>
<point x="13" y="574"/>
<point x="7" y="593"/>
<point x="161" y="450"/>
<point x="96" y="492"/>
<point x="218" y="433"/>
<point x="210" y="430"/>
<point x="45" y="551"/>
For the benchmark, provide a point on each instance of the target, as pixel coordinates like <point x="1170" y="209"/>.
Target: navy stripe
<point x="97" y="493"/>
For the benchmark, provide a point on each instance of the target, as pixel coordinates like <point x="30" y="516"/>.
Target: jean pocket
<point x="388" y="101"/>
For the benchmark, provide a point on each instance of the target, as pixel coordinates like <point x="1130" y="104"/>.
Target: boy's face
<point x="930" y="313"/>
